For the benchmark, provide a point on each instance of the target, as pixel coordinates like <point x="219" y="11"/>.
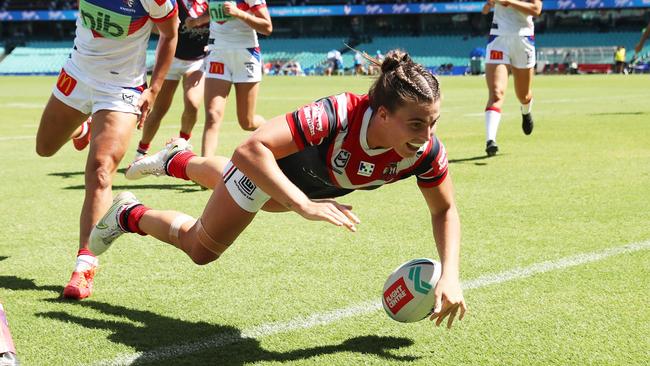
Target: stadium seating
<point x="46" y="57"/>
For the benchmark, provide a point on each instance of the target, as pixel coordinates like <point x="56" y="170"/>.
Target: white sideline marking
<point x="9" y="138"/>
<point x="264" y="330"/>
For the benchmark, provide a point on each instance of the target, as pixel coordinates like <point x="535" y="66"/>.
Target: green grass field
<point x="297" y="292"/>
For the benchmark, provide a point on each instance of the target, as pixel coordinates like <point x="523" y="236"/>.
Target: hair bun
<point x="394" y="59"/>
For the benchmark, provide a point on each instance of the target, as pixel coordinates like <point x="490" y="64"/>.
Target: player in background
<point x="300" y="162"/>
<point x="234" y="58"/>
<point x="105" y="77"/>
<point x="644" y="37"/>
<point x="188" y="67"/>
<point x="511" y="47"/>
<point x="7" y="348"/>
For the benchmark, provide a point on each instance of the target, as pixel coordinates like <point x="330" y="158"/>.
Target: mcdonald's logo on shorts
<point x="65" y="83"/>
<point x="216" y="68"/>
<point x="496" y="55"/>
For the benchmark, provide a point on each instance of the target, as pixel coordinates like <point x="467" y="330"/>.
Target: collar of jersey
<point x="363" y="135"/>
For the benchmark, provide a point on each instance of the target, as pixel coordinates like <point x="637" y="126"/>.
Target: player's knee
<point x="42" y="149"/>
<point x="525" y="98"/>
<point x="202" y="259"/>
<point x="101" y="175"/>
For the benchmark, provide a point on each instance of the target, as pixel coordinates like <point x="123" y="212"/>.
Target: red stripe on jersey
<point x="257" y="7"/>
<point x="171" y="14"/>
<point x="160" y="2"/>
<point x="138" y="24"/>
<point x="434" y="183"/>
<point x="243" y="6"/>
<point x="294" y="132"/>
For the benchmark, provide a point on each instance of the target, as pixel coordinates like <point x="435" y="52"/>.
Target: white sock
<point x="527" y="108"/>
<point x="85" y="262"/>
<point x="492" y="119"/>
<point x="84" y="130"/>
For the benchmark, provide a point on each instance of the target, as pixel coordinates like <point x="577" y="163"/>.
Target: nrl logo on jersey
<point x="128" y="3"/>
<point x="341" y="159"/>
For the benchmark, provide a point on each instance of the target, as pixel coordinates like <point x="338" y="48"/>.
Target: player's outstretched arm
<point x="533" y="8"/>
<point x="168" y="37"/>
<point x="446" y="232"/>
<point x="256" y="158"/>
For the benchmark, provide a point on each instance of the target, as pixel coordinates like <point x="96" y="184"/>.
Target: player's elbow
<point x="267" y="30"/>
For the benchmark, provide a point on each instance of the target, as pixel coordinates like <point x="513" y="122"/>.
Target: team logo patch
<point x="366" y="168"/>
<point x="246" y="186"/>
<point x="314" y="118"/>
<point x="496" y="55"/>
<point x="397" y="296"/>
<point x="341" y="159"/>
<point x="65" y="83"/>
<point x="216" y="68"/>
<point x="250" y="67"/>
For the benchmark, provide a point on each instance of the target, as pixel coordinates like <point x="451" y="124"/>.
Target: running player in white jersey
<point x="105" y="77"/>
<point x="301" y="161"/>
<point x="234" y="58"/>
<point x="511" y="47"/>
<point x="188" y="67"/>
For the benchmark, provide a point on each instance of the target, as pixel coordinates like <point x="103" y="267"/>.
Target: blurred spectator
<point x="334" y="63"/>
<point x="359" y="64"/>
<point x="619" y="60"/>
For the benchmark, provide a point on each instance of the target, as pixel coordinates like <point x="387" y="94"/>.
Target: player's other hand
<point x="144" y="104"/>
<point x="230" y="8"/>
<point x="504" y="3"/>
<point x="449" y="300"/>
<point x="331" y="211"/>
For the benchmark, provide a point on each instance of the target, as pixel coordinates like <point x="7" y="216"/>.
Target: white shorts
<point x="182" y="67"/>
<point x="89" y="97"/>
<point x="247" y="195"/>
<point x="240" y="65"/>
<point x="517" y="51"/>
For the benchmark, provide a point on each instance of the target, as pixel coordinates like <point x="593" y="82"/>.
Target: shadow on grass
<point x="475" y="158"/>
<point x="183" y="188"/>
<point x="73" y="174"/>
<point x="162" y="340"/>
<point x="17" y="283"/>
<point x="619" y="114"/>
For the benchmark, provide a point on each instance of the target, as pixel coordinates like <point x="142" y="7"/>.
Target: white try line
<point x="264" y="330"/>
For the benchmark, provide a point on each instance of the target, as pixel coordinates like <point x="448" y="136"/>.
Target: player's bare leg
<point x="496" y="77"/>
<point x="216" y="94"/>
<point x="246" y="94"/>
<point x="193" y="85"/>
<point x="59" y="123"/>
<point x="523" y="88"/>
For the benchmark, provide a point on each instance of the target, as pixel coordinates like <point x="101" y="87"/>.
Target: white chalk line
<point x="265" y="330"/>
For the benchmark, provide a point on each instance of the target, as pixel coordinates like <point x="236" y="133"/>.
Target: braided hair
<point x="402" y="80"/>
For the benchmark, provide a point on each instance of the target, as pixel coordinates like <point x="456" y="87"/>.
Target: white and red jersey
<point x="335" y="159"/>
<point x="509" y="21"/>
<point x="234" y="33"/>
<point x="112" y="37"/>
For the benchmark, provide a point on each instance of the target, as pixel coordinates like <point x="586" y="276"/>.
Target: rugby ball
<point x="408" y="291"/>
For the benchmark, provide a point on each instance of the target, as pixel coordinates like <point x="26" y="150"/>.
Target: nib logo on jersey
<point x="103" y="22"/>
